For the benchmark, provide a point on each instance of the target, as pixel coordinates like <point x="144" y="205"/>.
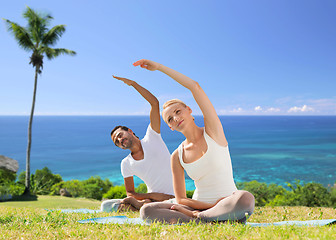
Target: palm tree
<point x="36" y="38"/>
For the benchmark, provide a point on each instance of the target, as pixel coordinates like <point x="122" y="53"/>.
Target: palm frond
<point x="55" y="52"/>
<point x="21" y="35"/>
<point x="37" y="24"/>
<point x="53" y="35"/>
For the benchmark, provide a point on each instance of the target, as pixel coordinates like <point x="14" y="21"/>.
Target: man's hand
<point x="159" y="197"/>
<point x="134" y="202"/>
<point x="125" y="80"/>
<point x="147" y="64"/>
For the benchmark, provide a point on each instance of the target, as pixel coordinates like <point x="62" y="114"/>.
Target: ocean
<point x="271" y="149"/>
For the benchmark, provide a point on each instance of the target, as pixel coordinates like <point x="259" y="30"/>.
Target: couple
<point x="204" y="155"/>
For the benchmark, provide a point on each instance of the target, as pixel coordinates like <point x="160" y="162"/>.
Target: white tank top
<point x="212" y="173"/>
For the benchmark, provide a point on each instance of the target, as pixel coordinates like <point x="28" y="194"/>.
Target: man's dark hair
<point x="123" y="128"/>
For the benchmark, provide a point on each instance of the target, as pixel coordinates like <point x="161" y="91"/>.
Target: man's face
<point x="122" y="138"/>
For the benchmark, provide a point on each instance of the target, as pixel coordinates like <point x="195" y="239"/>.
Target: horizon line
<point x="147" y="115"/>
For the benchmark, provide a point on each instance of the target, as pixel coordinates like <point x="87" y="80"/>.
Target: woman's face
<point x="176" y="116"/>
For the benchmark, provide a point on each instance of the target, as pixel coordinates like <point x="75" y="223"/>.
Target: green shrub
<point x="310" y="195"/>
<point x="287" y="199"/>
<point x="102" y="185"/>
<point x="7" y="182"/>
<point x="315" y="195"/>
<point x="6" y="177"/>
<point x="94" y="187"/>
<point x="74" y="187"/>
<point x="262" y="192"/>
<point x="142" y="188"/>
<point x="16" y="189"/>
<point x="43" y="180"/>
<point x="4" y="190"/>
<point x="333" y="196"/>
<point x="116" y="192"/>
<point x="190" y="193"/>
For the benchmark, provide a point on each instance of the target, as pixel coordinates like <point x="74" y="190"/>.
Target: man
<point x="149" y="159"/>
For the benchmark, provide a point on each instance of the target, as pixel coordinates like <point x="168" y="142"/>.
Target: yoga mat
<point x="80" y="210"/>
<point x="296" y="223"/>
<point x="126" y="220"/>
<point x="115" y="220"/>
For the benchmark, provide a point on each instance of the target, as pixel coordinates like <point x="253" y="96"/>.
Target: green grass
<point x="28" y="220"/>
<point x="53" y="202"/>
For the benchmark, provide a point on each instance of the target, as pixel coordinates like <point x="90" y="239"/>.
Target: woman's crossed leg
<point x="234" y="207"/>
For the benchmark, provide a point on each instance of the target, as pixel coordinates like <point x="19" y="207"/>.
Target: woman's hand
<point x="148" y="64"/>
<point x="179" y="208"/>
<point x="125" y="80"/>
<point x="195" y="213"/>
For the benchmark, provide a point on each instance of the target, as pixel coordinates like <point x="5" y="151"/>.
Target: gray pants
<point x="232" y="208"/>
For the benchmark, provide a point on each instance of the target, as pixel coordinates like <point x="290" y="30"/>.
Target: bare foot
<point x="183" y="210"/>
<point x="134" y="202"/>
<point x="176" y="207"/>
<point x="146" y="201"/>
<point x="126" y="207"/>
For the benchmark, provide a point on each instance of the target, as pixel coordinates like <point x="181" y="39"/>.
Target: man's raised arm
<point x="154" y="114"/>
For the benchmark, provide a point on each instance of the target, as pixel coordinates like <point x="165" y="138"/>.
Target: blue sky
<point x="251" y="57"/>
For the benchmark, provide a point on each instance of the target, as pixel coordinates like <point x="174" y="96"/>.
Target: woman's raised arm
<point x="212" y="124"/>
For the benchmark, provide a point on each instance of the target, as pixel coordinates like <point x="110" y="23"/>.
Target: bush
<point x="142" y="188"/>
<point x="116" y="192"/>
<point x="4" y="190"/>
<point x="310" y="195"/>
<point x="333" y="196"/>
<point x="7" y="182"/>
<point x="43" y="180"/>
<point x="16" y="189"/>
<point x="94" y="187"/>
<point x="6" y="177"/>
<point x="314" y="195"/>
<point x="74" y="187"/>
<point x="190" y="194"/>
<point x="21" y="179"/>
<point x="262" y="192"/>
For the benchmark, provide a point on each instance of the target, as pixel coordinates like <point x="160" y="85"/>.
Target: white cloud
<point x="304" y="108"/>
<point x="272" y="109"/>
<point x="237" y="110"/>
<point x="324" y="105"/>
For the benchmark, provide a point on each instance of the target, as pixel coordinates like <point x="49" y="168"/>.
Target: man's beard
<point x="129" y="144"/>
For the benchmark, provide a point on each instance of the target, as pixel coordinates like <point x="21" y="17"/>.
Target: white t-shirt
<point x="155" y="168"/>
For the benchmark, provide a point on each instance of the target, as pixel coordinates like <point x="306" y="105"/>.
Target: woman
<point x="205" y="156"/>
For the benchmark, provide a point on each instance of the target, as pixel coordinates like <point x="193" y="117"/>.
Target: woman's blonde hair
<point x="173" y="101"/>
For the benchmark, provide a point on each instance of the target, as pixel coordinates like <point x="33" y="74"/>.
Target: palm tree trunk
<point x="27" y="187"/>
